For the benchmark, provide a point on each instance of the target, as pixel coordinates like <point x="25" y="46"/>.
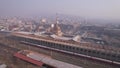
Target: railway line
<point x="75" y="54"/>
<point x="8" y="48"/>
<point x="15" y="50"/>
<point x="85" y="51"/>
<point x="109" y="56"/>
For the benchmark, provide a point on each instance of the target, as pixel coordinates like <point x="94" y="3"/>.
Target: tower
<point x="56" y="28"/>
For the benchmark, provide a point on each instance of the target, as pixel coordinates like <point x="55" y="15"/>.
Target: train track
<point x="74" y="54"/>
<point x="9" y="48"/>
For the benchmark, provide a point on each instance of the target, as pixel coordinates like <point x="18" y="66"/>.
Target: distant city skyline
<point x="101" y="9"/>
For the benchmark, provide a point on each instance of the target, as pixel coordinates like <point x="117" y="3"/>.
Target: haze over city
<point x="59" y="33"/>
<point x="98" y="9"/>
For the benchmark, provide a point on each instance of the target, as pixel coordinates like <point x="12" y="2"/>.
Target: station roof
<point x="49" y="61"/>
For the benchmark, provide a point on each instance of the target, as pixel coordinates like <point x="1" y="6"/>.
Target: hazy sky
<point x="106" y="9"/>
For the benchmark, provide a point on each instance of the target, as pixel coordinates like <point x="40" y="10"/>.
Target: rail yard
<point x="12" y="46"/>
